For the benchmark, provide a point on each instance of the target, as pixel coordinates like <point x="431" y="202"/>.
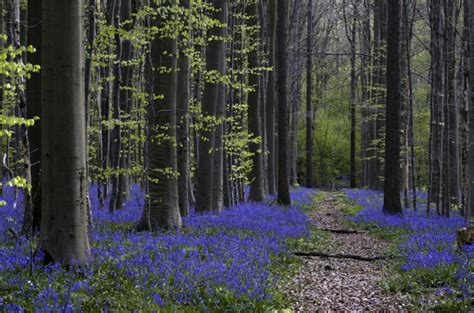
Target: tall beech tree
<point x="392" y="203"/>
<point x="162" y="207"/>
<point x="377" y="110"/>
<point x="271" y="103"/>
<point x="64" y="235"/>
<point x="218" y="155"/>
<point x="257" y="187"/>
<point x="470" y="164"/>
<point x="309" y="96"/>
<point x="434" y="194"/>
<point x="351" y="30"/>
<point x="295" y="44"/>
<point x="214" y="65"/>
<point x="451" y="180"/>
<point x="182" y="131"/>
<point x="283" y="171"/>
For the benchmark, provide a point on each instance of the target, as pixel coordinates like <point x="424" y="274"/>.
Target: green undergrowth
<point x="318" y="240"/>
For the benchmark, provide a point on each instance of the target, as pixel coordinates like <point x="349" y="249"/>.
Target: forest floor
<point x="245" y="260"/>
<point x="342" y="284"/>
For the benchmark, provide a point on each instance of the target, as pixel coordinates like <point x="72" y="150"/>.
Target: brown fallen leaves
<point x="343" y="285"/>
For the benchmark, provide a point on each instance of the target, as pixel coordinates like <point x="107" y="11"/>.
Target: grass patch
<point x="316" y="241"/>
<point x="352" y="209"/>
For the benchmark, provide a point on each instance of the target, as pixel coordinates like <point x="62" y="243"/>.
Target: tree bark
<point x="126" y="73"/>
<point x="64" y="234"/>
<point x="33" y="102"/>
<point x="214" y="53"/>
<point x="271" y="100"/>
<point x="115" y="202"/>
<point x="380" y="38"/>
<point x="470" y="206"/>
<point x="434" y="194"/>
<point x="351" y="36"/>
<point x="452" y="118"/>
<point x="282" y="33"/>
<point x="309" y="96"/>
<point x="392" y="204"/>
<point x="162" y="158"/>
<point x="257" y="191"/>
<point x="182" y="130"/>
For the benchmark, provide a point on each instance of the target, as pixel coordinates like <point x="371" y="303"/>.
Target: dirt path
<point x="342" y="285"/>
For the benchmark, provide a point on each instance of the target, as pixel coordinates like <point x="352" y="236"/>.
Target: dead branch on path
<point x="340" y="256"/>
<point x="341" y="231"/>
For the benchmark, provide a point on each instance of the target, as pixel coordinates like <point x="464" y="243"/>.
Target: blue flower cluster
<point x="428" y="242"/>
<point x="214" y="262"/>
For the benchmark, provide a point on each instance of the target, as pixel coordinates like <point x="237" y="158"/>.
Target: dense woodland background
<point x="236" y="155"/>
<point x="195" y="100"/>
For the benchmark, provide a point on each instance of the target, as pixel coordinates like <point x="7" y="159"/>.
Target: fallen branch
<point x="341" y="256"/>
<point x="341" y="231"/>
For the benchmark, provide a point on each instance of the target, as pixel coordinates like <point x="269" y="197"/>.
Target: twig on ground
<point x="341" y="256"/>
<point x="341" y="231"/>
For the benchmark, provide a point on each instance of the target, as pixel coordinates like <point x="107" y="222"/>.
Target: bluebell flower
<point x="429" y="242"/>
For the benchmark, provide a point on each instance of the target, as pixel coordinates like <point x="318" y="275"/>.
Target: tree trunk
<point x="257" y="191"/>
<point x="309" y="97"/>
<point x="116" y="200"/>
<point x="218" y="174"/>
<point x="470" y="206"/>
<point x="410" y="128"/>
<point x="33" y="101"/>
<point x="283" y="178"/>
<point x="392" y="204"/>
<point x="205" y="168"/>
<point x="434" y="195"/>
<point x="365" y="62"/>
<point x="271" y="100"/>
<point x="89" y="50"/>
<point x="380" y="37"/>
<point x="182" y="130"/>
<point x="352" y="41"/>
<point x="64" y="234"/>
<point x="126" y="72"/>
<point x="162" y="158"/>
<point x="452" y="118"/>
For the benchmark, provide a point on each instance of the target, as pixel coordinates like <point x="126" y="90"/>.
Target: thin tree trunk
<point x="126" y="73"/>
<point x="182" y="130"/>
<point x="452" y="110"/>
<point x="436" y="96"/>
<point x="392" y="204"/>
<point x="116" y="200"/>
<point x="282" y="33"/>
<point x="257" y="191"/>
<point x="352" y="40"/>
<point x="33" y="101"/>
<point x="470" y="206"/>
<point x="309" y="97"/>
<point x="218" y="174"/>
<point x="272" y="100"/>
<point x="410" y="130"/>
<point x="365" y="61"/>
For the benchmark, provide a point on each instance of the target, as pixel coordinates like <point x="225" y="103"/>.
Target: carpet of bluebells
<point x="215" y="263"/>
<point x="427" y="244"/>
